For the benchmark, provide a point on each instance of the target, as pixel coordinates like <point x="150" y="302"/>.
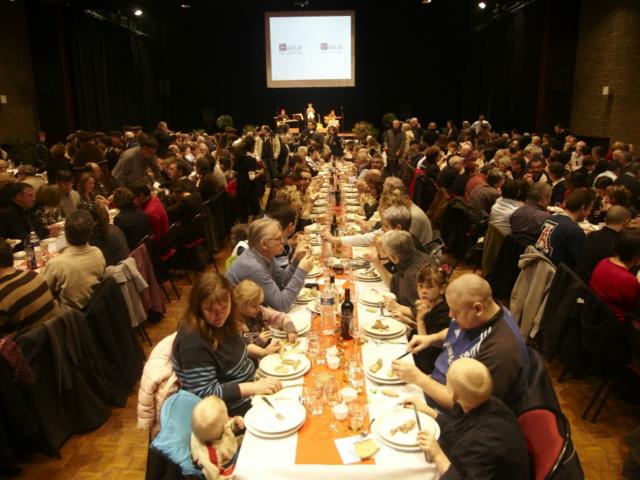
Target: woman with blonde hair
<point x="209" y="352"/>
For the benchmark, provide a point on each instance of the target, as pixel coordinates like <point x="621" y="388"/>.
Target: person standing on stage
<point x="281" y="121"/>
<point x="311" y="113"/>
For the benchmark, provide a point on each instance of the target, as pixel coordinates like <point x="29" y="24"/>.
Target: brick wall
<point x="18" y="117"/>
<point x="608" y="54"/>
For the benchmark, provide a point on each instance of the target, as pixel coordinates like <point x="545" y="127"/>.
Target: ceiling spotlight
<point x="482" y="5"/>
<point x="424" y="2"/>
<point x="137" y="12"/>
<point x="185" y="5"/>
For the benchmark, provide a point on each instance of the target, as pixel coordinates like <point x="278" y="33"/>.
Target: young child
<point x="432" y="311"/>
<point x="248" y="296"/>
<point x="482" y="438"/>
<point x="213" y="443"/>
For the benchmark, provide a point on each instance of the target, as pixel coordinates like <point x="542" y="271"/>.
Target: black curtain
<point x="114" y="74"/>
<point x="503" y="69"/>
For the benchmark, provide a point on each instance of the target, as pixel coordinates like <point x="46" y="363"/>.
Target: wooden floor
<point x="117" y="450"/>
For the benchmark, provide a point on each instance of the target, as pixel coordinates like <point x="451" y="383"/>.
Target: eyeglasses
<point x="279" y="239"/>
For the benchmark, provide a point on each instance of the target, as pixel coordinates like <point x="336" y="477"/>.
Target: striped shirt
<point x="204" y="371"/>
<point x="25" y="301"/>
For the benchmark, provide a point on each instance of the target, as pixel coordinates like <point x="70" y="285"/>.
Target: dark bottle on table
<point x="346" y="315"/>
<point x="334" y="227"/>
<point x="30" y="254"/>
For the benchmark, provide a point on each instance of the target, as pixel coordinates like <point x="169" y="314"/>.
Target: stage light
<point x="185" y="5"/>
<point x="424" y="2"/>
<point x="482" y="5"/>
<point x="137" y="12"/>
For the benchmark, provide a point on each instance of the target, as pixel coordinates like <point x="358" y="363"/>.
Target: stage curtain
<point x="114" y="74"/>
<point x="503" y="69"/>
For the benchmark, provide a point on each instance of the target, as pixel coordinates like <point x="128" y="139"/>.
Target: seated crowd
<point x="471" y="360"/>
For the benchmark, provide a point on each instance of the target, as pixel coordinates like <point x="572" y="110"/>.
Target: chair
<point x="547" y="434"/>
<point x="504" y="278"/>
<point x="492" y="242"/>
<point x="163" y="252"/>
<point x="632" y="335"/>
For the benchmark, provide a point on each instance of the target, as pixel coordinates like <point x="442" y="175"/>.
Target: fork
<point x="279" y="416"/>
<point x="367" y="431"/>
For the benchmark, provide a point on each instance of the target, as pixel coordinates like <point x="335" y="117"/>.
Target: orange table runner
<point x="316" y="443"/>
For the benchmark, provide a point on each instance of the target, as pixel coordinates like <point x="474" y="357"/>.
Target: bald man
<point x="482" y="439"/>
<point x="479" y="329"/>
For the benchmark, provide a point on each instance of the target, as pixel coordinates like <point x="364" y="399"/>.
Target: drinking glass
<point x="313" y="397"/>
<point x="313" y="346"/>
<point x="356" y="377"/>
<point x="332" y="397"/>
<point x="357" y="414"/>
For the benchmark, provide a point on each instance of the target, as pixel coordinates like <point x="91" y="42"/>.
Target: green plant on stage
<point x="387" y="119"/>
<point x="363" y="129"/>
<point x="224" y="121"/>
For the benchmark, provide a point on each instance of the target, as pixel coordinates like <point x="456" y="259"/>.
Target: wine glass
<point x="332" y="397"/>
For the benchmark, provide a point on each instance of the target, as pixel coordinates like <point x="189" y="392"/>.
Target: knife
<point x="415" y="410"/>
<point x="279" y="416"/>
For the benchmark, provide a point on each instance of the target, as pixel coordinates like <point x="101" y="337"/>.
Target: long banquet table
<point x="275" y="459"/>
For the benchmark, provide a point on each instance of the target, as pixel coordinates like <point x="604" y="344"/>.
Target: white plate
<point x="397" y="416"/>
<point x="381" y="382"/>
<point x="385" y="337"/>
<point x="395" y="328"/>
<point x="269" y="364"/>
<point x="320" y="203"/>
<point x="261" y="419"/>
<point x="362" y="278"/>
<point x="375" y="297"/>
<point x="381" y="375"/>
<point x="284" y="378"/>
<point x="398" y="447"/>
<point x="315" y="272"/>
<point x="313" y="228"/>
<point x="301" y="324"/>
<point x="307" y="299"/>
<point x="315" y="307"/>
<point x="13" y="242"/>
<point x="281" y="334"/>
<point x="352" y="229"/>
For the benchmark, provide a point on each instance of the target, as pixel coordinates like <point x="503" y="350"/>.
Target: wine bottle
<point x="346" y="316"/>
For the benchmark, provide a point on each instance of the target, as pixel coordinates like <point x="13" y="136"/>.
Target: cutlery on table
<point x="415" y="411"/>
<point x="279" y="416"/>
<point x="403" y="355"/>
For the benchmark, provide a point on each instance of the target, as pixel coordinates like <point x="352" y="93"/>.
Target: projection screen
<point x="310" y="49"/>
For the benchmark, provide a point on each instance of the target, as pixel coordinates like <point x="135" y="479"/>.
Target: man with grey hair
<point x="72" y="275"/>
<point x="280" y="286"/>
<point x="420" y="224"/>
<point x="401" y="251"/>
<point x="527" y="220"/>
<point x="480" y="329"/>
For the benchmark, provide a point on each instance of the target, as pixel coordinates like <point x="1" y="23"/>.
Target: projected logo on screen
<point x="285" y="49"/>
<point x="330" y="46"/>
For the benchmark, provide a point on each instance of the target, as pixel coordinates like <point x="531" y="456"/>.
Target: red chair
<point x="547" y="434"/>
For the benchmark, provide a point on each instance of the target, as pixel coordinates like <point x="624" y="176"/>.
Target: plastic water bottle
<point x="34" y="240"/>
<point x="327" y="310"/>
<point x="30" y="254"/>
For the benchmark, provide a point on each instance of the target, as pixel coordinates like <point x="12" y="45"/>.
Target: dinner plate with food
<point x="352" y="229"/>
<point x="302" y="325"/>
<point x="380" y="372"/>
<point x="313" y="228"/>
<point x="353" y="217"/>
<point x="316" y="271"/>
<point x="384" y="327"/>
<point x="314" y="306"/>
<point x="13" y="242"/>
<point x="320" y="203"/>
<point x="367" y="275"/>
<point x="398" y="428"/>
<point x="307" y="294"/>
<point x="376" y="297"/>
<point x="289" y="365"/>
<point x="285" y="418"/>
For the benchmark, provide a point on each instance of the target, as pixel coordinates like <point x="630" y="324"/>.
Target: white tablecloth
<point x="275" y="459"/>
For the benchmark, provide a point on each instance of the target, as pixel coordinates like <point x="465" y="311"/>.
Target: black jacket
<point x="69" y="394"/>
<point x="17" y="223"/>
<point x="134" y="223"/>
